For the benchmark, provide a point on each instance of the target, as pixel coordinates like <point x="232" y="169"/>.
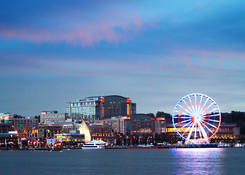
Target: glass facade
<point x="100" y="107"/>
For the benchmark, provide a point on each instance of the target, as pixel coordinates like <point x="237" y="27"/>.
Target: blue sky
<point x="156" y="52"/>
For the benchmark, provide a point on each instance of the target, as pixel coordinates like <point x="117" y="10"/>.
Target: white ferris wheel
<point x="196" y="117"/>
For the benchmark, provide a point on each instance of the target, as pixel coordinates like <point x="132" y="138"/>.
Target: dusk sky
<point x="154" y="52"/>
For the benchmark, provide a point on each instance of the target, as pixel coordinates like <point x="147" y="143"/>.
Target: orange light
<point x="128" y="109"/>
<point x="143" y="131"/>
<point x="182" y="130"/>
<point x="160" y="118"/>
<point x="126" y="118"/>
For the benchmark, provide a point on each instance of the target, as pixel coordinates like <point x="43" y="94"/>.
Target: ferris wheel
<point x="196" y="117"/>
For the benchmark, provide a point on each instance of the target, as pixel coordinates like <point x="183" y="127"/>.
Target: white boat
<point x="94" y="144"/>
<point x="224" y="145"/>
<point x="148" y="145"/>
<point x="238" y="145"/>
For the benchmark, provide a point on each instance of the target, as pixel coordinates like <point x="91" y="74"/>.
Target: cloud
<point x="75" y="26"/>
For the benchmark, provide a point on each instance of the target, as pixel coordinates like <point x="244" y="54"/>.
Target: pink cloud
<point x="107" y="29"/>
<point x="191" y="57"/>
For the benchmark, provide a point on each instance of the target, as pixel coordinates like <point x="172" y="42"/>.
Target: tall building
<point x="100" y="107"/>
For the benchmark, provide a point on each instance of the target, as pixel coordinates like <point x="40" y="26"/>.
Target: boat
<point x="94" y="144"/>
<point x="224" y="145"/>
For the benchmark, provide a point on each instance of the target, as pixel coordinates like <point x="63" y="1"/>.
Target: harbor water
<point x="183" y="161"/>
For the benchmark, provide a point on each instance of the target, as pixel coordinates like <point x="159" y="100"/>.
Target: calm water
<point x="196" y="161"/>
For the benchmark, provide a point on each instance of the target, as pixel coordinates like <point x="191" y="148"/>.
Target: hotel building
<point x="100" y="107"/>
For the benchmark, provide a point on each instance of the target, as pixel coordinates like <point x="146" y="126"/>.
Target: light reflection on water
<point x="201" y="161"/>
<point x="196" y="161"/>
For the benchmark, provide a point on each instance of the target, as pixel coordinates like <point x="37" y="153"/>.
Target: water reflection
<point x="198" y="161"/>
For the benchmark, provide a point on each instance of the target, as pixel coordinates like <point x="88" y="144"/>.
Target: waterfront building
<point x="67" y="127"/>
<point x="101" y="132"/>
<point x="8" y="140"/>
<point x="52" y="116"/>
<point x="159" y="125"/>
<point x="142" y="124"/>
<point x="136" y="124"/>
<point x="227" y="132"/>
<point x="100" y="107"/>
<point x="119" y="124"/>
<point x="25" y="127"/>
<point x="5" y="127"/>
<point x="70" y="139"/>
<point x="49" y="130"/>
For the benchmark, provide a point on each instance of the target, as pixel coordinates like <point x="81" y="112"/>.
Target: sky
<point x="155" y="52"/>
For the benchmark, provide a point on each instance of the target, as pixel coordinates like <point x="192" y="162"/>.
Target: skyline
<point x="155" y="53"/>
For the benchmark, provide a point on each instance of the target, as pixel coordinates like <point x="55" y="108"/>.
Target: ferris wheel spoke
<point x="184" y="121"/>
<point x="203" y="131"/>
<point x="214" y="115"/>
<point x="203" y="111"/>
<point x="195" y="135"/>
<point x="186" y="124"/>
<point x="199" y="106"/>
<point x="189" y="135"/>
<point x="193" y="111"/>
<point x="208" y="116"/>
<point x="181" y="117"/>
<point x="200" y="133"/>
<point x="195" y="103"/>
<point x="184" y="109"/>
<point x="187" y="128"/>
<point x="211" y="125"/>
<point x="203" y="106"/>
<point x="210" y="105"/>
<point x="208" y="129"/>
<point x="213" y="120"/>
<point x="187" y="106"/>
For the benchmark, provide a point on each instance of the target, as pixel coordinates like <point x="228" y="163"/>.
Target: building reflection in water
<point x="198" y="161"/>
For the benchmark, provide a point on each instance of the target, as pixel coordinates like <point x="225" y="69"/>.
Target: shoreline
<point x="124" y="147"/>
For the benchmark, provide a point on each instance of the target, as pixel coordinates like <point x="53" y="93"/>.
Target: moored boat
<point x="94" y="144"/>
